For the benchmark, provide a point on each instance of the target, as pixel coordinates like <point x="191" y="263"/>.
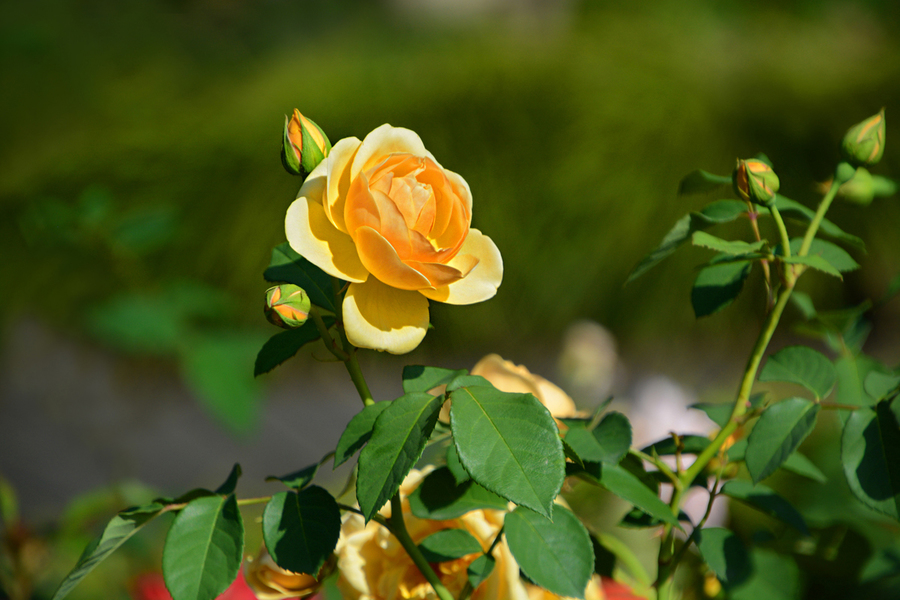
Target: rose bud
<point x="270" y="582"/>
<point x="755" y="181"/>
<point x="287" y="306"/>
<point x="863" y="144"/>
<point x="305" y="145"/>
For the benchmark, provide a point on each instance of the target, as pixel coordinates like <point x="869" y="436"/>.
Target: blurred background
<point x="141" y="192"/>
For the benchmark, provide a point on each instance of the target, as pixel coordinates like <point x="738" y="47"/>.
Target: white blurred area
<point x="656" y="405"/>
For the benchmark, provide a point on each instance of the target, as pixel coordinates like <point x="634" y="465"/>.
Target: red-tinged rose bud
<point x="287" y="306"/>
<point x="305" y="145"/>
<point x="863" y="144"/>
<point x="755" y="181"/>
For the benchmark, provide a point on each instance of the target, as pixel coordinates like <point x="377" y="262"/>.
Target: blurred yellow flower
<point x="509" y="377"/>
<point x="270" y="582"/>
<point x="373" y="565"/>
<point x="385" y="216"/>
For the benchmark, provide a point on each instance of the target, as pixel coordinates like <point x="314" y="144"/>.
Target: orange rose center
<point x="409" y="220"/>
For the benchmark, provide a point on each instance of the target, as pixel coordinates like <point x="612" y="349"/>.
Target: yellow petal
<point x="338" y="172"/>
<point x="380" y="317"/>
<point x="377" y="254"/>
<point x="313" y="236"/>
<point x="384" y="141"/>
<point x="482" y="281"/>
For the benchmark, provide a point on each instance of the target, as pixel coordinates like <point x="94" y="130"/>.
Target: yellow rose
<point x="385" y="216"/>
<point x="373" y="565"/>
<point x="516" y="379"/>
<point x="270" y="582"/>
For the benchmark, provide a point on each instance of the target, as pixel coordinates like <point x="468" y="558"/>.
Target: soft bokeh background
<point x="141" y="193"/>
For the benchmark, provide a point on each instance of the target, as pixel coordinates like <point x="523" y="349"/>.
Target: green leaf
<point x="879" y="384"/>
<point x="628" y="487"/>
<point x="301" y="529"/>
<point x="509" y="444"/>
<point x="440" y="498"/>
<point x="480" y="569"/>
<point x="717" y="285"/>
<point x="725" y="554"/>
<point x="799" y="464"/>
<point x="203" y="549"/>
<point x="468" y="381"/>
<point x="459" y="473"/>
<point x="397" y="441"/>
<point x="690" y="444"/>
<point x="718" y="412"/>
<point x="302" y="478"/>
<point x="358" y="432"/>
<point x="638" y="519"/>
<point x="218" y="368"/>
<point x="805" y="304"/>
<point x="289" y="267"/>
<point x="790" y="208"/>
<point x="732" y="247"/>
<point x="571" y="454"/>
<point x="231" y="483"/>
<point x="870" y="453"/>
<point x="767" y="501"/>
<point x="417" y="378"/>
<point x="836" y="256"/>
<point x="779" y="431"/>
<point x="813" y="261"/>
<point x="557" y="555"/>
<point x="852" y="371"/>
<point x="117" y="531"/>
<point x="721" y="211"/>
<point x="608" y="442"/>
<point x="801" y="365"/>
<point x="282" y="346"/>
<point x="449" y="544"/>
<point x="775" y="577"/>
<point x="701" y="182"/>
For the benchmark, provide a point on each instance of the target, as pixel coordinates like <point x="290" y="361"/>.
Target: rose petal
<point x="314" y="237"/>
<point x="482" y="282"/>
<point x="381" y="317"/>
<point x="437" y="274"/>
<point x="377" y="254"/>
<point x="384" y="141"/>
<point x="336" y="167"/>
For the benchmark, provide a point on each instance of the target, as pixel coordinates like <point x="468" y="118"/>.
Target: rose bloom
<point x="516" y="379"/>
<point x="374" y="566"/>
<point x="385" y="216"/>
<point x="270" y="582"/>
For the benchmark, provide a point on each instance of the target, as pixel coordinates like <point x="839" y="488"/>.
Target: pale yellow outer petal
<point x="516" y="379"/>
<point x="384" y="141"/>
<point x="380" y="317"/>
<point x="482" y="282"/>
<point x="312" y="235"/>
<point x="337" y="169"/>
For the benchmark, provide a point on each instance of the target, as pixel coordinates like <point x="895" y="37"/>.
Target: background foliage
<point x="141" y="186"/>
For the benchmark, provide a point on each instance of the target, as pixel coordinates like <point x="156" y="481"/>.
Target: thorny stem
<point x="330" y="344"/>
<point x="667" y="562"/>
<point x="398" y="528"/>
<point x="659" y="464"/>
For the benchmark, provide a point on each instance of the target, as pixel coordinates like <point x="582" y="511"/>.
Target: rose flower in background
<point x="385" y="216"/>
<point x="373" y="565"/>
